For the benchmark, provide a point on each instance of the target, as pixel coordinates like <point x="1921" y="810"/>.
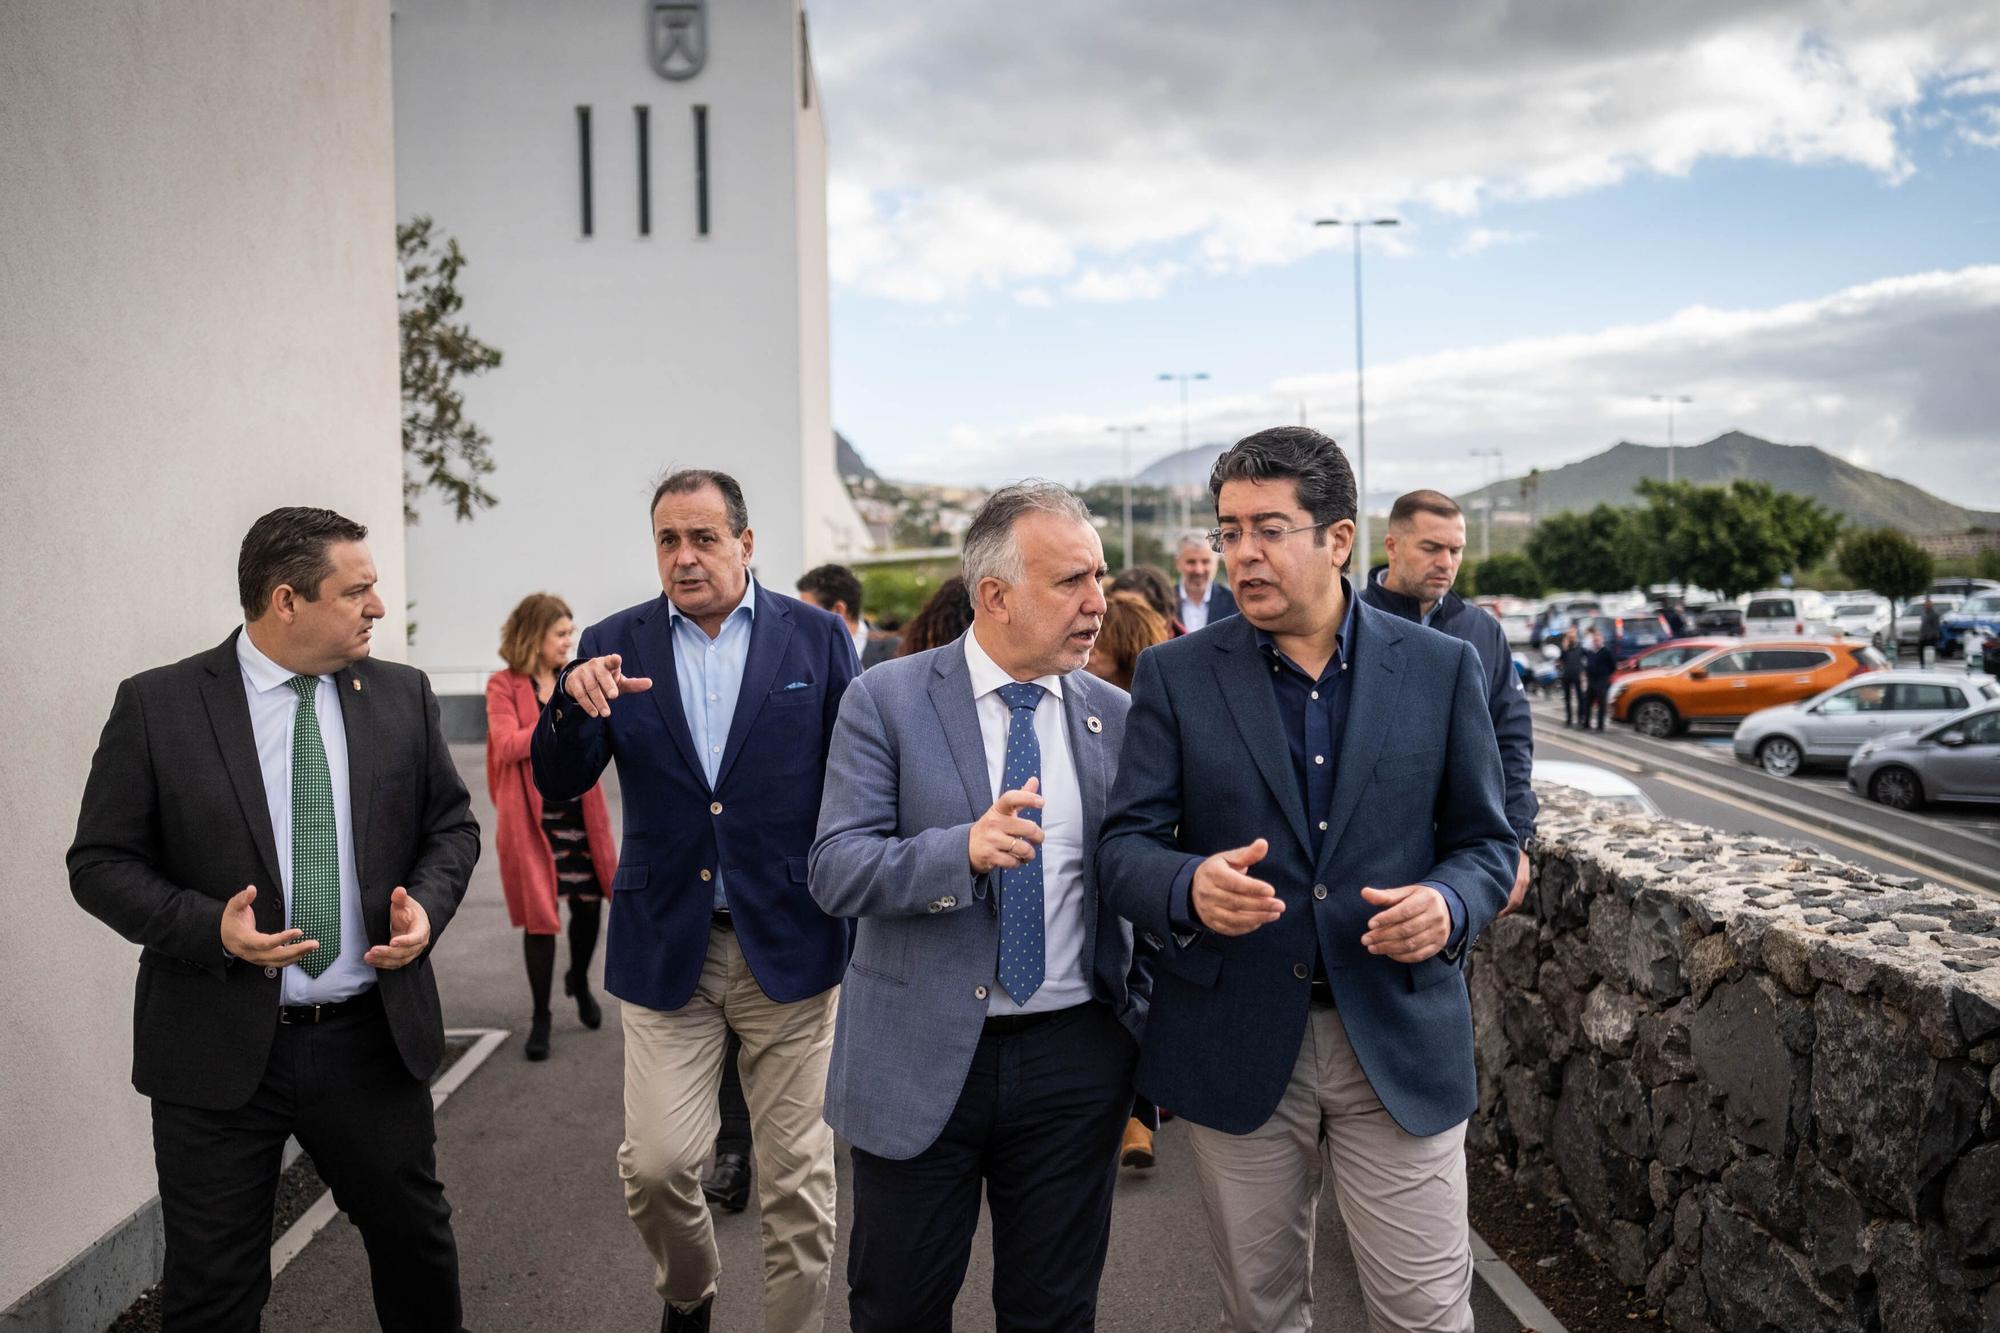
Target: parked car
<point x="1599" y="783"/>
<point x="1831" y="726"/>
<point x="1727" y="684"/>
<point x="1962" y="587"/>
<point x="1864" y="616"/>
<point x="1798" y="611"/>
<point x="1626" y="635"/>
<point x="1519" y="629"/>
<point x="1954" y="760"/>
<point x="1720" y="619"/>
<point x="1976" y="617"/>
<point x="1672" y="653"/>
<point x="1911" y="621"/>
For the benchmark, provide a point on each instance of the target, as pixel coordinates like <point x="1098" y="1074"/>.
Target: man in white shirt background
<point x="1202" y="599"/>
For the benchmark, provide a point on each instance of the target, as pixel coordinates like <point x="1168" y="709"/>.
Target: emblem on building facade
<point x="677" y="32"/>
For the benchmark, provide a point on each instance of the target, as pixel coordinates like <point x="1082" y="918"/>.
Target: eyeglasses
<point x="1224" y="540"/>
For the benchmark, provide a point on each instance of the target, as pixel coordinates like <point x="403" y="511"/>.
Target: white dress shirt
<point x="1065" y="975"/>
<point x="272" y="708"/>
<point x="859" y="633"/>
<point x="1194" y="615"/>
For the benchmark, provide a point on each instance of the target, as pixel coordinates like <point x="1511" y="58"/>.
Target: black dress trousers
<point x="341" y="1088"/>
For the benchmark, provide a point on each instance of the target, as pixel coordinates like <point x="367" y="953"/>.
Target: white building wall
<point x="197" y="324"/>
<point x="625" y="355"/>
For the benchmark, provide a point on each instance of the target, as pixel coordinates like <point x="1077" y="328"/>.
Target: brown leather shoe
<point x="1137" y="1149"/>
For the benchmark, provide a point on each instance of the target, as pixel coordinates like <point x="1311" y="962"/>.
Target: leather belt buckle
<point x="292" y="1014"/>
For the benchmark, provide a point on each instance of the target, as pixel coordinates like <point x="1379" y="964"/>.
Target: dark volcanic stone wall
<point x="1766" y="1082"/>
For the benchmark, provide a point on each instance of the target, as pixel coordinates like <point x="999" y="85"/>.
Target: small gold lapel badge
<point x="356" y="680"/>
<point x="1094" y="725"/>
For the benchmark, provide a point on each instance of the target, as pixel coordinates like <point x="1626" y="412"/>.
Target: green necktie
<point x="315" y="844"/>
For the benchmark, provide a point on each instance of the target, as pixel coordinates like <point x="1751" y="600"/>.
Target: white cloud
<point x="1893" y="375"/>
<point x="1140" y="282"/>
<point x="979" y="147"/>
<point x="1480" y="239"/>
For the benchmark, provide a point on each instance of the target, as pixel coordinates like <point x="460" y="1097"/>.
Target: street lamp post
<point x="1486" y="501"/>
<point x="1128" y="432"/>
<point x="1361" y="539"/>
<point x="1670" y="399"/>
<point x="1183" y="376"/>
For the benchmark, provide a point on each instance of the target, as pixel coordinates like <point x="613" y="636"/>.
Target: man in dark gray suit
<point x="987" y="1020"/>
<point x="835" y="588"/>
<point x="279" y="823"/>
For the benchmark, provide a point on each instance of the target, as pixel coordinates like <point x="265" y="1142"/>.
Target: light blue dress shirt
<point x="273" y="707"/>
<point x="1194" y="615"/>
<point x="710" y="673"/>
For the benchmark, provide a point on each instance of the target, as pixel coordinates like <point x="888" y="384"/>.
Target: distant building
<point x="649" y="254"/>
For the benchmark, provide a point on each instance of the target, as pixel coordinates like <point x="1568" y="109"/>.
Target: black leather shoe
<point x="729" y="1188"/>
<point x="537" y="1047"/>
<point x="686" y="1321"/>
<point x="587" y="1010"/>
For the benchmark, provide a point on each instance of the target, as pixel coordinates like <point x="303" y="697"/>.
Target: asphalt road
<point x="526" y="1152"/>
<point x="1696" y="776"/>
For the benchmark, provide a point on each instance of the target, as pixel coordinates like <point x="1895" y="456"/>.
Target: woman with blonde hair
<point x="548" y="850"/>
<point x="1131" y="626"/>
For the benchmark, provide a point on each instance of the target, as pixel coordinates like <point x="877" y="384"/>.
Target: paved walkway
<point x="527" y="1156"/>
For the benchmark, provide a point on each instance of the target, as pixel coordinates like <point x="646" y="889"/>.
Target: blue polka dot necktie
<point x="1022" y="946"/>
<point x="315" y="846"/>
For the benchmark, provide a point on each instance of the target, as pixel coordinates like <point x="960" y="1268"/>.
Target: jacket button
<point x="1319" y="890"/>
<point x="270" y="971"/>
<point x="706" y="877"/>
<point x="715" y="807"/>
<point x="1301" y="971"/>
<point x="979" y="992"/>
<point x="937" y="907"/>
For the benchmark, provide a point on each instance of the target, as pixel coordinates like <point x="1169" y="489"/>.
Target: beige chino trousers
<point x="673" y="1068"/>
<point x="1402" y="1199"/>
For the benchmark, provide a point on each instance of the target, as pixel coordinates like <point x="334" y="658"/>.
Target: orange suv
<point x="1728" y="684"/>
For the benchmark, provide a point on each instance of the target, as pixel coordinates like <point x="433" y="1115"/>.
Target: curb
<point x="300" y="1233"/>
<point x="1505" y="1283"/>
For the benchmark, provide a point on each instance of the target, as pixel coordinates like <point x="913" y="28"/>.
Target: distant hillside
<point x="1183" y="467"/>
<point x="848" y="462"/>
<point x="1865" y="499"/>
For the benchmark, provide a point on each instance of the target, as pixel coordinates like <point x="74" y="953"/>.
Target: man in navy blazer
<point x="1199" y="599"/>
<point x="988" y="1023"/>
<point x="1308" y="823"/>
<point x="716" y="700"/>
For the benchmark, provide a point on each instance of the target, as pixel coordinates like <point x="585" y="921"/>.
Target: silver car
<point x="1954" y="760"/>
<point x="1832" y="725"/>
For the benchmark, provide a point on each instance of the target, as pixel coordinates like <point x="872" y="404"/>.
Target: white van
<point x="1794" y="611"/>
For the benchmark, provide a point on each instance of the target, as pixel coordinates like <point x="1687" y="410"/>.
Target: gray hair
<point x="1191" y="540"/>
<point x="990" y="549"/>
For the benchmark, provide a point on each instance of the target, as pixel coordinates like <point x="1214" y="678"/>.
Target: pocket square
<point x="799" y="685"/>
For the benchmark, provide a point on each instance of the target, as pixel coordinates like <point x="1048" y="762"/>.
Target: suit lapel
<point x="1240" y="672"/>
<point x="654" y="636"/>
<point x="357" y="723"/>
<point x="1086" y="752"/>
<point x="770" y="635"/>
<point x="1375" y="683"/>
<point x="229" y="716"/>
<point x="951" y="696"/>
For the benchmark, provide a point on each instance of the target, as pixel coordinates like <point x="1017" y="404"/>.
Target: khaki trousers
<point x="673" y="1067"/>
<point x="1401" y="1197"/>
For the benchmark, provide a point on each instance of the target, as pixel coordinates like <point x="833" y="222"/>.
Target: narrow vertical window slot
<point x="701" y="170"/>
<point x="583" y="157"/>
<point x="643" y="116"/>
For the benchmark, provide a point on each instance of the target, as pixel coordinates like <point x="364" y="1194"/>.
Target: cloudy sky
<point x="1787" y="211"/>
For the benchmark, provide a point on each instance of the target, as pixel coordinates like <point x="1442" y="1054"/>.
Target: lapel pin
<point x="356" y="680"/>
<point x="1094" y="725"/>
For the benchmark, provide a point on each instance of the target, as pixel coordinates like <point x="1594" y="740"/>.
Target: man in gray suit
<point x="988" y="1024"/>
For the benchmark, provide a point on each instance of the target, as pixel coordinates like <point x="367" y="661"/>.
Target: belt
<point x="720" y="918"/>
<point x="1322" y="991"/>
<point x="1009" y="1025"/>
<point x="292" y="1014"/>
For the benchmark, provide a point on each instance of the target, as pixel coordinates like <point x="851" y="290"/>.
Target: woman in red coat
<point x="548" y="850"/>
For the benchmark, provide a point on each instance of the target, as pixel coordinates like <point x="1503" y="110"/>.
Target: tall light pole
<point x="1361" y="542"/>
<point x="1670" y="399"/>
<point x="1183" y="376"/>
<point x="1128" y="432"/>
<point x="1486" y="501"/>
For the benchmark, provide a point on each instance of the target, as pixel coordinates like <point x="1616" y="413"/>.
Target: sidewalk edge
<point x="1505" y="1283"/>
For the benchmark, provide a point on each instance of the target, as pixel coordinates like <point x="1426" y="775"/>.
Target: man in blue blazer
<point x="1199" y="599"/>
<point x="1308" y="821"/>
<point x="987" y="1023"/>
<point x="716" y="700"/>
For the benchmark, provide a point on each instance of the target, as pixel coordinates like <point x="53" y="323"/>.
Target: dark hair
<point x="1153" y="585"/>
<point x="833" y="583"/>
<point x="528" y="624"/>
<point x="1409" y="506"/>
<point x="287" y="547"/>
<point x="945" y="616"/>
<point x="1310" y="460"/>
<point x="691" y="479"/>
